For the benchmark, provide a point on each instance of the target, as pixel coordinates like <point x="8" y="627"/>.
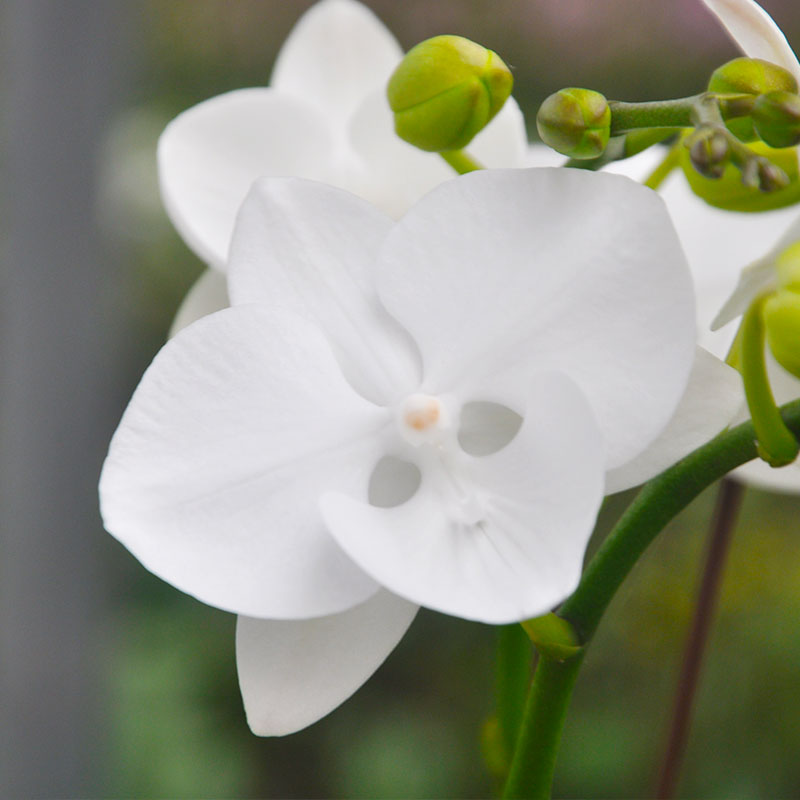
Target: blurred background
<point x="116" y="685"/>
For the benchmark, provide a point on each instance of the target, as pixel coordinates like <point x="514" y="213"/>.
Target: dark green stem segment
<point x="658" y="502"/>
<point x="547" y="703"/>
<point x="514" y="669"/>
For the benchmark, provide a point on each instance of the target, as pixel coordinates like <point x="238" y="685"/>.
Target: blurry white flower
<point x="394" y="414"/>
<point x="324" y="116"/>
<point x="755" y="32"/>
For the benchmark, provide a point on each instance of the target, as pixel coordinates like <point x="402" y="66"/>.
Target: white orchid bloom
<point x="517" y="334"/>
<point x="324" y="116"/>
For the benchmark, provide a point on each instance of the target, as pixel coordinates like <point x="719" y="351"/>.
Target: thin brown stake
<point x="726" y="512"/>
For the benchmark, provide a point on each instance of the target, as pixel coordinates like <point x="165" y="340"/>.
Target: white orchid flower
<point x="325" y="117"/>
<point x="400" y="414"/>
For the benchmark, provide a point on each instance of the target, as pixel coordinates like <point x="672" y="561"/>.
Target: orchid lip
<point x="424" y="419"/>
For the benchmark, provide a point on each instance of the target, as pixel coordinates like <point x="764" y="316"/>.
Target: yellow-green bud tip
<point x="445" y="91"/>
<point x="782" y="311"/>
<point x="749" y="76"/>
<point x="776" y="118"/>
<point x="575" y="122"/>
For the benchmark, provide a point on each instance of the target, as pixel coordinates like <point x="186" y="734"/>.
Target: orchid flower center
<point x="423" y="419"/>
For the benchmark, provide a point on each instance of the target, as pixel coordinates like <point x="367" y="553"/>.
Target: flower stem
<point x="460" y="161"/>
<point x="514" y="670"/>
<point x="657" y="114"/>
<point x="657" y="503"/>
<point x="776" y="444"/>
<point x="664" y="168"/>
<point x="547" y="704"/>
<point x="725" y="515"/>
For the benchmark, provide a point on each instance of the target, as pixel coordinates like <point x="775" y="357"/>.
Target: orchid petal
<point x="208" y="294"/>
<point x="497" y="538"/>
<point x="505" y="273"/>
<point x="212" y="477"/>
<point x="755" y="32"/>
<point x="209" y="155"/>
<point x="394" y="174"/>
<point x="293" y="673"/>
<point x="338" y="52"/>
<point x="755" y="279"/>
<point x="708" y="406"/>
<point x="312" y="248"/>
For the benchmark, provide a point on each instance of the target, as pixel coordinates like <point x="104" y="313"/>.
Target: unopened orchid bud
<point x="743" y="188"/>
<point x="776" y="118"/>
<point x="575" y="122"/>
<point x="787" y="266"/>
<point x="782" y="322"/>
<point x="760" y="173"/>
<point x="782" y="311"/>
<point x="749" y="76"/>
<point x="445" y="91"/>
<point x="709" y="152"/>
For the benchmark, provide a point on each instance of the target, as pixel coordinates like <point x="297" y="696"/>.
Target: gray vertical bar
<point x="59" y="318"/>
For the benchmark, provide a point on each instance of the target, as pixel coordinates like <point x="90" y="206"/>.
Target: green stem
<point x="547" y="703"/>
<point x="627" y="117"/>
<point x="776" y="444"/>
<point x="660" y="173"/>
<point x="514" y="671"/>
<point x="685" y="112"/>
<point x="461" y="161"/>
<point x="657" y="503"/>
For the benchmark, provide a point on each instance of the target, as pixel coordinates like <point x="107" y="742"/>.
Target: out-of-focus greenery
<point x="178" y="728"/>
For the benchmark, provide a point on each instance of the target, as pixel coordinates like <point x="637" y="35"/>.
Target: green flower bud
<point x="787" y="265"/>
<point x="782" y="322"/>
<point x="782" y="311"/>
<point x="575" y="122"/>
<point x="709" y="152"/>
<point x="776" y="118"/>
<point x="731" y="193"/>
<point x="749" y="76"/>
<point x="445" y="91"/>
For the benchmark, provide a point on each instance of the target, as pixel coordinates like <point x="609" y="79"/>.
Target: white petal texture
<point x="208" y="294"/>
<point x="293" y="673"/>
<point x="712" y="400"/>
<point x="755" y="32"/>
<point x="337" y="54"/>
<point x="213" y="474"/>
<point x="479" y="538"/>
<point x="532" y="274"/>
<point x="313" y="248"/>
<point x="209" y="156"/>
